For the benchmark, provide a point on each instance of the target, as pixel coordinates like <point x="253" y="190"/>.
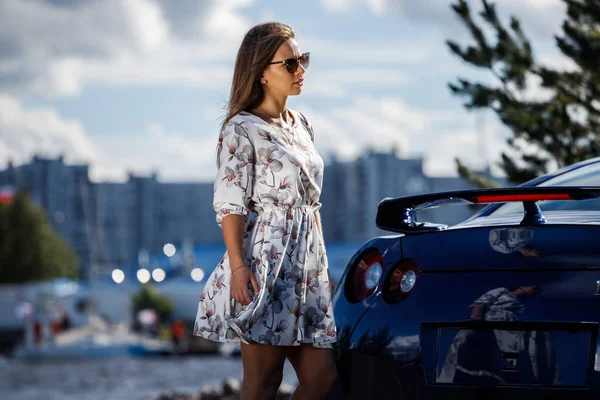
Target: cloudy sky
<point x="141" y="85"/>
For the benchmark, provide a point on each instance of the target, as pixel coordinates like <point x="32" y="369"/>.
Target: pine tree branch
<point x="477" y="180"/>
<point x="558" y="130"/>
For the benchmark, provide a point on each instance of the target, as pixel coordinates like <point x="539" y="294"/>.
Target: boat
<point x="91" y="342"/>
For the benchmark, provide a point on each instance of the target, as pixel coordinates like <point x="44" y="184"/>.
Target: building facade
<point x="114" y="224"/>
<point x="352" y="191"/>
<point x="66" y="194"/>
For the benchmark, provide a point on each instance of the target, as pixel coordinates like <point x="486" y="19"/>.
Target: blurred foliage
<point x="474" y="178"/>
<point x="554" y="131"/>
<point x="149" y="297"/>
<point x="29" y="249"/>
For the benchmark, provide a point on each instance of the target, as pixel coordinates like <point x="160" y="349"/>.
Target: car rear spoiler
<point x="399" y="214"/>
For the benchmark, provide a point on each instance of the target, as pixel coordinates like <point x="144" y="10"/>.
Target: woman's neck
<point x="274" y="108"/>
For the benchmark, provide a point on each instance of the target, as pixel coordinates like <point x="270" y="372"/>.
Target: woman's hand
<point x="240" y="276"/>
<point x="331" y="286"/>
<point x="477" y="312"/>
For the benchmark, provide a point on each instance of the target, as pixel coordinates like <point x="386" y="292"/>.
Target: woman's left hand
<point x="331" y="286"/>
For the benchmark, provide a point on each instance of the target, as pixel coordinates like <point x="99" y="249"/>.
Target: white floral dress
<point x="273" y="177"/>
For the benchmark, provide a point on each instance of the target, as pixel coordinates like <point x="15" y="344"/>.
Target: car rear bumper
<point x="363" y="376"/>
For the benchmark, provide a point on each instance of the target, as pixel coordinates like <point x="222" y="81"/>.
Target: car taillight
<point x="400" y="281"/>
<point x="364" y="276"/>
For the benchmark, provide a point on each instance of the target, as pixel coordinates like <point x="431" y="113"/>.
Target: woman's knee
<point x="319" y="379"/>
<point x="273" y="377"/>
<point x="263" y="370"/>
<point x="258" y="385"/>
<point x="264" y="376"/>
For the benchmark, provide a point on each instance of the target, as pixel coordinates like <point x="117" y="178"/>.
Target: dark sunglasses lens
<point x="292" y="65"/>
<point x="305" y="60"/>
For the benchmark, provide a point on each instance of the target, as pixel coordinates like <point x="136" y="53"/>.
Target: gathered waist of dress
<point x="285" y="207"/>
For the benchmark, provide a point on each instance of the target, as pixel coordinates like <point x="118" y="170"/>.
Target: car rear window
<point x="584" y="176"/>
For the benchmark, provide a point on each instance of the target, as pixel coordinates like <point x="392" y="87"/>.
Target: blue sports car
<point x="505" y="305"/>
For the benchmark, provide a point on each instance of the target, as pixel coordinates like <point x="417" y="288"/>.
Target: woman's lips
<point x="299" y="83"/>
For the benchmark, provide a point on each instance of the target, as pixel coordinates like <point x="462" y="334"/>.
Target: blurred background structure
<point x="110" y="225"/>
<point x="109" y="115"/>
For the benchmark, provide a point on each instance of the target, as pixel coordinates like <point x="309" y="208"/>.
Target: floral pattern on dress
<point x="273" y="178"/>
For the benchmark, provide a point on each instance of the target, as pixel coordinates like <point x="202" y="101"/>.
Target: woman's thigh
<point x="312" y="364"/>
<point x="263" y="362"/>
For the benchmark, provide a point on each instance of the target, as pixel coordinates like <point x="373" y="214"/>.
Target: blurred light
<point x="59" y="217"/>
<point x="63" y="288"/>
<point x="143" y="275"/>
<point x="147" y="316"/>
<point x="24" y="310"/>
<point x="7" y="194"/>
<point x="169" y="250"/>
<point x="158" y="275"/>
<point x="118" y="276"/>
<point x="197" y="274"/>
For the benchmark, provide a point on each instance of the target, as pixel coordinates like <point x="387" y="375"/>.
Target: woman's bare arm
<point x="320" y="228"/>
<point x="233" y="234"/>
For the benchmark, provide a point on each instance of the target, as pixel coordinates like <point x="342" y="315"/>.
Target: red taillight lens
<point x="364" y="275"/>
<point x="522" y="197"/>
<point x="401" y="281"/>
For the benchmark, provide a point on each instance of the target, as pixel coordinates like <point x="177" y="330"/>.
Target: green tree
<point x="149" y="297"/>
<point x="556" y="131"/>
<point x="29" y="249"/>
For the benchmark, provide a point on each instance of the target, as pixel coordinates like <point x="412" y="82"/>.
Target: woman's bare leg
<point x="316" y="372"/>
<point x="263" y="370"/>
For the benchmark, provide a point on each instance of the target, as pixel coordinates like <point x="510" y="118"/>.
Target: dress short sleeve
<point x="235" y="171"/>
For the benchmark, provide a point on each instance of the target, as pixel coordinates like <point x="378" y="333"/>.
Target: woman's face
<point x="279" y="81"/>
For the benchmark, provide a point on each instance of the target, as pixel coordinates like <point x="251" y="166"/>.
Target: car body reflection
<point x="501" y="356"/>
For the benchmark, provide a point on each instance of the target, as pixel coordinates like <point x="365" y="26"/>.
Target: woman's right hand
<point x="241" y="274"/>
<point x="239" y="284"/>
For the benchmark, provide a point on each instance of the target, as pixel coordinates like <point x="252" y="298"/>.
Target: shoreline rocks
<point x="228" y="390"/>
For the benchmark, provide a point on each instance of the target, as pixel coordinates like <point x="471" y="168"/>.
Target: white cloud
<point x="368" y="122"/>
<point x="337" y="5"/>
<point x="48" y="49"/>
<point x="384" y="123"/>
<point x="41" y="37"/>
<point x="396" y="52"/>
<point x="224" y="21"/>
<point x="43" y="131"/>
<point x="174" y="156"/>
<point x="376" y="6"/>
<point x="539" y="17"/>
<point x="338" y="83"/>
<point x="134" y="71"/>
<point x="405" y="348"/>
<point x="338" y="67"/>
<point x="557" y="60"/>
<point x="25" y="132"/>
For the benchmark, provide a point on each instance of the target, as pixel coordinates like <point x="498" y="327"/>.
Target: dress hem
<point x="242" y="338"/>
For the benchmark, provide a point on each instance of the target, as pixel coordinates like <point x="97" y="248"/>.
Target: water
<point x="116" y="378"/>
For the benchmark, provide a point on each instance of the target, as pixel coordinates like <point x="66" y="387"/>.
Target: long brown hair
<point x="256" y="51"/>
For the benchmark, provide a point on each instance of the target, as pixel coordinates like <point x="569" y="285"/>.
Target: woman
<point x="501" y="356"/>
<point x="271" y="291"/>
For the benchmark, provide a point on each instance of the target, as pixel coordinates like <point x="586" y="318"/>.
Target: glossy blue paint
<point x="519" y="303"/>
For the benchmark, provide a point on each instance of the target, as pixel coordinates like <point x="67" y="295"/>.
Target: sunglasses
<point x="292" y="63"/>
